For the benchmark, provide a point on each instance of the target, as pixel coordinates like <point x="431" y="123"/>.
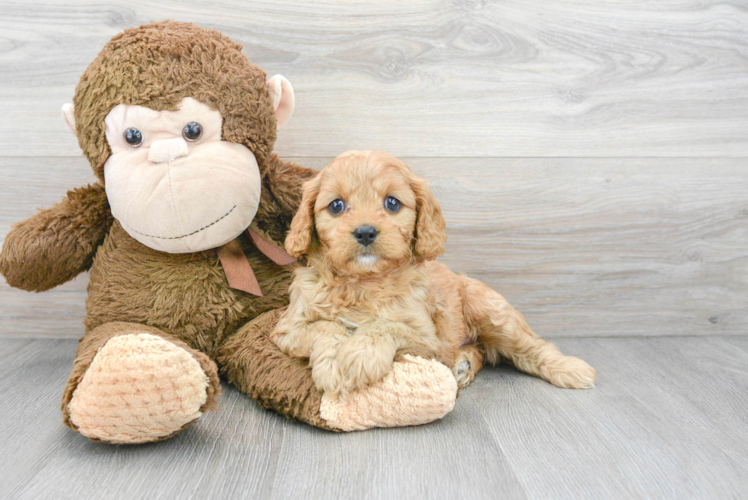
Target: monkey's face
<point x="171" y="181"/>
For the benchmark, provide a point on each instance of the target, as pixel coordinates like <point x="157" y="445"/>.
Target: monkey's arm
<point x="56" y="244"/>
<point x="285" y="180"/>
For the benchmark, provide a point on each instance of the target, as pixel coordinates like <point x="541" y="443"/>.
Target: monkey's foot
<point x="414" y="392"/>
<point x="138" y="388"/>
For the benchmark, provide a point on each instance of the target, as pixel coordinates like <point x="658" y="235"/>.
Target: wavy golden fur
<point x="356" y="307"/>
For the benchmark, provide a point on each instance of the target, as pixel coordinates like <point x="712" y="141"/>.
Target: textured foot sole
<point x="139" y="388"/>
<point x="416" y="391"/>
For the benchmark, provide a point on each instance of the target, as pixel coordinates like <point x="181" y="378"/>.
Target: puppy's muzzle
<point x="365" y="235"/>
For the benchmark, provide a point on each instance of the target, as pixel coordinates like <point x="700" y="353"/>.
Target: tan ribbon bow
<point x="236" y="266"/>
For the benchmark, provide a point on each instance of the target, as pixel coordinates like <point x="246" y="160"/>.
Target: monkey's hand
<point x="57" y="244"/>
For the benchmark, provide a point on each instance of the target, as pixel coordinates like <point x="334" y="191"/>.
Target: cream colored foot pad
<point x="416" y="391"/>
<point x="138" y="388"/>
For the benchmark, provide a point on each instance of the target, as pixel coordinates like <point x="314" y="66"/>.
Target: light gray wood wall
<point x="591" y="158"/>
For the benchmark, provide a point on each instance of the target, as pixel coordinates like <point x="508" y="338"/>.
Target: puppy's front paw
<point x="570" y="372"/>
<point x="288" y="344"/>
<point x="358" y="370"/>
<point x="325" y="369"/>
<point x="326" y="375"/>
<point x="363" y="360"/>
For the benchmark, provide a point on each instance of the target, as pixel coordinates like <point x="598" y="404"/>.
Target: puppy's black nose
<point x="365" y="235"/>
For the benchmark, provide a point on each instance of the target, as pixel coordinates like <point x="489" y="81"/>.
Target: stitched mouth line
<point x="189" y="234"/>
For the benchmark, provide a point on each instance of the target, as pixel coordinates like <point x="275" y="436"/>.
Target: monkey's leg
<point x="503" y="332"/>
<point x="133" y="383"/>
<point x="416" y="391"/>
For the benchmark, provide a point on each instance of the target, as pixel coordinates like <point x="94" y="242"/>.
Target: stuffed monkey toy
<point x="183" y="237"/>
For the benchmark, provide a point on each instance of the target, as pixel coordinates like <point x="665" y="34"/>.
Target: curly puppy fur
<point x="356" y="307"/>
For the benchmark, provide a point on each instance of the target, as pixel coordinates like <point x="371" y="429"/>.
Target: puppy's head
<point x="365" y="213"/>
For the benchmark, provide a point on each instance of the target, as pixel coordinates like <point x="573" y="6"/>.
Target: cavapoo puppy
<point x="372" y="290"/>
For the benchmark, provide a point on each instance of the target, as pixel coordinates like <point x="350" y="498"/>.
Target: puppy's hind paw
<point x="463" y="372"/>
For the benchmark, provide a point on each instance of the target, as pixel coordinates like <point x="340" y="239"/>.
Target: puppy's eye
<point x="133" y="137"/>
<point x="192" y="131"/>
<point x="392" y="204"/>
<point x="336" y="206"/>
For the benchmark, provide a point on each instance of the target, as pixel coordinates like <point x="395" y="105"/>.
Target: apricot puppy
<point x="372" y="290"/>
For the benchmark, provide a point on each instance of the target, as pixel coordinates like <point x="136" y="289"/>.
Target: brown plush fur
<point x="184" y="298"/>
<point x="355" y="307"/>
<point x="57" y="244"/>
<point x="250" y="356"/>
<point x="185" y="295"/>
<point x="158" y="65"/>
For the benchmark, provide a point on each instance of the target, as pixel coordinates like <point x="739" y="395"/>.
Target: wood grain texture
<point x="583" y="247"/>
<point x="666" y="420"/>
<point x="429" y="78"/>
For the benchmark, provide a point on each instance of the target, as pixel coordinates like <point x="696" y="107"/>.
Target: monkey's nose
<point x="365" y="235"/>
<point x="167" y="150"/>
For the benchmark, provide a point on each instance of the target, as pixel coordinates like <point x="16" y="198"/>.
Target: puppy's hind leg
<point x="504" y="333"/>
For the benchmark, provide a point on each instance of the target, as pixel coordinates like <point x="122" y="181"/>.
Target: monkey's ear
<point x="68" y="114"/>
<point x="281" y="93"/>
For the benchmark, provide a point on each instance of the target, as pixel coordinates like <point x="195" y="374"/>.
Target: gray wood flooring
<point x="668" y="419"/>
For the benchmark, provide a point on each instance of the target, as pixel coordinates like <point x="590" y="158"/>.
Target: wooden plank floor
<point x="668" y="419"/>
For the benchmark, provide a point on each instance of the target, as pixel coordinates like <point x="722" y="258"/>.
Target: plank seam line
<point x="506" y="456"/>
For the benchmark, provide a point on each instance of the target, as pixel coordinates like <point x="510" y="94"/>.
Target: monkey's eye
<point x="336" y="206"/>
<point x="192" y="131"/>
<point x="133" y="137"/>
<point x="392" y="204"/>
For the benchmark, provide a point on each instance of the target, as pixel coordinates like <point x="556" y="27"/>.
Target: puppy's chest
<point x="354" y="308"/>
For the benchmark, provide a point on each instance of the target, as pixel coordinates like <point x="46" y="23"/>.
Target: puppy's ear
<point x="430" y="236"/>
<point x="299" y="238"/>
